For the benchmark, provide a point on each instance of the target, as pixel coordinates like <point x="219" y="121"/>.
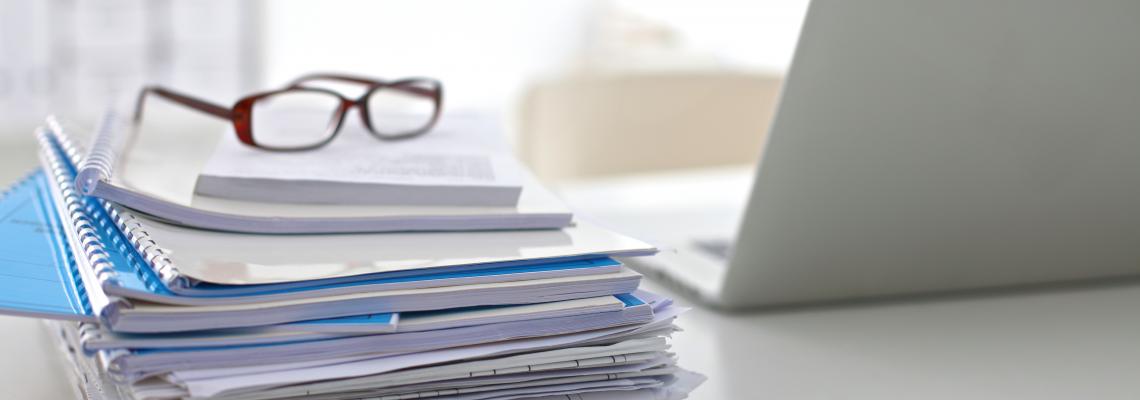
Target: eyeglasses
<point x="304" y="117"/>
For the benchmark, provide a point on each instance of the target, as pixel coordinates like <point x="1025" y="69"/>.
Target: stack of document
<point x="433" y="170"/>
<point x="178" y="175"/>
<point x="146" y="308"/>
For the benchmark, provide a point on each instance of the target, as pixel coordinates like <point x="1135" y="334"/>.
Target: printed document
<point x="447" y="166"/>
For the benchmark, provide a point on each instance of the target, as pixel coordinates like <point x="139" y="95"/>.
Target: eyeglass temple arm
<point x="189" y="101"/>
<point x="362" y="80"/>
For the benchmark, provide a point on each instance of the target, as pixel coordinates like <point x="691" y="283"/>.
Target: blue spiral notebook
<point x="41" y="278"/>
<point x="38" y="277"/>
<point x="65" y="258"/>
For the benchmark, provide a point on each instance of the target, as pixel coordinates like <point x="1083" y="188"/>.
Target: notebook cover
<point x="38" y="276"/>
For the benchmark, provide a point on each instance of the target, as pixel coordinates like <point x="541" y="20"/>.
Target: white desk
<point x="1071" y="344"/>
<point x="1061" y="344"/>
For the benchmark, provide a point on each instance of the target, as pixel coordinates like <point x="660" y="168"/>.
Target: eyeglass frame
<point x="241" y="113"/>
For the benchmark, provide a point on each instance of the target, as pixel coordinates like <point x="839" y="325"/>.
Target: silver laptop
<point x="927" y="146"/>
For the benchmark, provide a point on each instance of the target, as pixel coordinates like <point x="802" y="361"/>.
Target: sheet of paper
<point x="253" y="383"/>
<point x="142" y="308"/>
<point x="430" y="378"/>
<point x="615" y="384"/>
<point x="683" y="383"/>
<point x="156" y="174"/>
<point x="442" y="168"/>
<point x="148" y="164"/>
<point x="215" y="381"/>
<point x="437" y="381"/>
<point x="661" y="324"/>
<point x="440" y="320"/>
<point x="439" y="158"/>
<point x="239" y="259"/>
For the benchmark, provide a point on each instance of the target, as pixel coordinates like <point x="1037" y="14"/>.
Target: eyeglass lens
<point x="401" y="110"/>
<point x="294" y="120"/>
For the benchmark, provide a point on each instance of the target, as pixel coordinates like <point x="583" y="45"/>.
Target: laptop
<point x="934" y="146"/>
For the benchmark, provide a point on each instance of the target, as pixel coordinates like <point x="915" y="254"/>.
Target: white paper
<point x="139" y="364"/>
<point x="435" y="378"/>
<point x="439" y="158"/>
<point x="413" y="322"/>
<point x="616" y="384"/>
<point x="239" y="259"/>
<point x="141" y="308"/>
<point x="100" y="338"/>
<point x="451" y="376"/>
<point x="156" y="173"/>
<point x="439" y="168"/>
<point x="224" y="379"/>
<point x="223" y="384"/>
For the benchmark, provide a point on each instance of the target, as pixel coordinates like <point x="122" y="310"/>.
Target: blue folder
<point x="37" y="275"/>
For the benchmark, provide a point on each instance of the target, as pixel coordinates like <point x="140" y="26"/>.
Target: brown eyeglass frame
<point x="241" y="113"/>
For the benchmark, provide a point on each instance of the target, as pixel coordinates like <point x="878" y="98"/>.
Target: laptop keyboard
<point x="719" y="248"/>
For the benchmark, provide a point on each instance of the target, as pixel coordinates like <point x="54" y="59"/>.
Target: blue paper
<point x="37" y="276"/>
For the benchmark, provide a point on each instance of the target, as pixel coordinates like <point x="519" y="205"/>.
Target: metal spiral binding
<point x="98" y="163"/>
<point x="154" y="254"/>
<point x="112" y="363"/>
<point x="134" y="230"/>
<point x="88" y="331"/>
<point x="89" y="242"/>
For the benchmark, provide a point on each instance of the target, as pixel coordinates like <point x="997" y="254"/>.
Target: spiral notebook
<point x="135" y="170"/>
<point x="41" y="279"/>
<point x="198" y="263"/>
<point x="38" y="277"/>
<point x="137" y="363"/>
<point x="97" y="338"/>
<point x="124" y="259"/>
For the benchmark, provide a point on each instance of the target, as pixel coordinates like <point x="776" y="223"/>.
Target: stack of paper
<point x="159" y="174"/>
<point x="433" y="170"/>
<point x="154" y="310"/>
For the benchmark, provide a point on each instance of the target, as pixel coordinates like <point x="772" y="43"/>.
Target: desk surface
<point x="1061" y="344"/>
<point x="1076" y="342"/>
<point x="1058" y="344"/>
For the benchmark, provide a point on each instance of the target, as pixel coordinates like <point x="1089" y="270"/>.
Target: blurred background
<point x="585" y="88"/>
